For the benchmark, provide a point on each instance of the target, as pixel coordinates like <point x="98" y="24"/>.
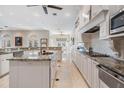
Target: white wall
<point x="26" y="36"/>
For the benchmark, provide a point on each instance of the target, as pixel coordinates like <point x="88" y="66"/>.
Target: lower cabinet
<point x="4" y="63"/>
<point x="88" y="68"/>
<point x="89" y="72"/>
<point x="95" y="75"/>
<point x="29" y="74"/>
<point x="85" y="67"/>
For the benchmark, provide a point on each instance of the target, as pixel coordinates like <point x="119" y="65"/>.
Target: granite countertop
<point x="32" y="57"/>
<point x="114" y="64"/>
<point x="8" y="52"/>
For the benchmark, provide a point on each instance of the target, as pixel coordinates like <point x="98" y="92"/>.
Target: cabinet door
<point x="104" y="28"/>
<point x="33" y="75"/>
<point x="84" y="15"/>
<point x="78" y="60"/>
<point x="115" y="8"/>
<point x="95" y="75"/>
<point x="82" y="64"/>
<point x="96" y="9"/>
<point x="4" y="66"/>
<point x="13" y="74"/>
<point x="89" y="76"/>
<point x="4" y="63"/>
<point x="85" y="68"/>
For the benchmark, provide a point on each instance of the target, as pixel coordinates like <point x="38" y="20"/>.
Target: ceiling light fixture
<point x="37" y="14"/>
<point x="11" y="13"/>
<point x="19" y="24"/>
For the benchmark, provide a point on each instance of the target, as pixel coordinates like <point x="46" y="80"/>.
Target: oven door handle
<point x="113" y="76"/>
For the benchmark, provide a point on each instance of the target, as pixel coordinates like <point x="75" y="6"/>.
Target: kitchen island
<point x="31" y="71"/>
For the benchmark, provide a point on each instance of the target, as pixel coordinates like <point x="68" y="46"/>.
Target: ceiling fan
<point x="47" y="6"/>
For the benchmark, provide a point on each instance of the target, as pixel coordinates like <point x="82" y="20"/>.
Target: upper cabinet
<point x="104" y="28"/>
<point x="84" y="15"/>
<point x="114" y="8"/>
<point x="97" y="15"/>
<point x="96" y="9"/>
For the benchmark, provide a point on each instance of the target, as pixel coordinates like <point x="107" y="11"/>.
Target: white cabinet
<point x="95" y="75"/>
<point x="96" y="9"/>
<point x="115" y="8"/>
<point x="104" y="27"/>
<point x="88" y="68"/>
<point x="29" y="74"/>
<point x="89" y="72"/>
<point x="82" y="64"/>
<point x="4" y="63"/>
<point x="85" y="68"/>
<point x="84" y="15"/>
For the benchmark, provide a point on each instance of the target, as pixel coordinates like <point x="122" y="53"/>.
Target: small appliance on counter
<point x="81" y="47"/>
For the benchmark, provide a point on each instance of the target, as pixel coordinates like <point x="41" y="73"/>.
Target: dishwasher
<point x="109" y="78"/>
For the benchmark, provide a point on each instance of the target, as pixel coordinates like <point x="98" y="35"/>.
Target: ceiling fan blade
<point x="55" y="7"/>
<point x="32" y="5"/>
<point x="45" y="9"/>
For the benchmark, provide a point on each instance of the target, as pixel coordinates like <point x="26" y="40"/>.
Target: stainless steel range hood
<point x="95" y="21"/>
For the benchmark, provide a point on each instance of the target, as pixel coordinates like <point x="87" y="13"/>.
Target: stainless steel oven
<point x="109" y="78"/>
<point x="117" y="22"/>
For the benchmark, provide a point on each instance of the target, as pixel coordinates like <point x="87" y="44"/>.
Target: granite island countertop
<point x="27" y="58"/>
<point x="8" y="52"/>
<point x="112" y="63"/>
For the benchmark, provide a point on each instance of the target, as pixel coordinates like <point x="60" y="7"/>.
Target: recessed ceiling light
<point x="67" y="14"/>
<point x="37" y="14"/>
<point x="19" y="24"/>
<point x="11" y="13"/>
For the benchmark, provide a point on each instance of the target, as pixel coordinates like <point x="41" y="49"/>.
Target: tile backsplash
<point x="102" y="46"/>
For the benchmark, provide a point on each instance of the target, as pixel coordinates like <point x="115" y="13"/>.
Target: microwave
<point x="117" y="23"/>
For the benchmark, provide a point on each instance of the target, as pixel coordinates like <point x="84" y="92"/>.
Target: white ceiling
<point x="34" y="17"/>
